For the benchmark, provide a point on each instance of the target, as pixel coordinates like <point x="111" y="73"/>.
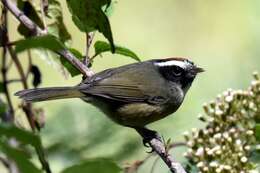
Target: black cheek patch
<point x="168" y="74"/>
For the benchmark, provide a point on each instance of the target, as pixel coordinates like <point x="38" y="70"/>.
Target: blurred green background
<point x="221" y="36"/>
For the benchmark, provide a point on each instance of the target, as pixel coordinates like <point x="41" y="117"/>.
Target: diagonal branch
<point x="152" y="138"/>
<point x="38" y="31"/>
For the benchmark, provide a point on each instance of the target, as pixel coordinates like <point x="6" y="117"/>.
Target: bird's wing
<point x="119" y="88"/>
<point x="117" y="92"/>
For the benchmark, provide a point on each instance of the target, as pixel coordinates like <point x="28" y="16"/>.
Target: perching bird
<point x="132" y="95"/>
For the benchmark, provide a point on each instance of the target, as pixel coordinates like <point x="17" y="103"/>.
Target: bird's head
<point x="178" y="70"/>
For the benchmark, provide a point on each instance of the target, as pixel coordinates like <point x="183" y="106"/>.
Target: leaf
<point x="37" y="77"/>
<point x="71" y="69"/>
<point x="27" y="8"/>
<point x="23" y="136"/>
<point x="57" y="26"/>
<point x="88" y="16"/>
<point x="21" y="160"/>
<point x="101" y="47"/>
<point x="109" y="10"/>
<point x="49" y="42"/>
<point x="94" y="166"/>
<point x="257" y="131"/>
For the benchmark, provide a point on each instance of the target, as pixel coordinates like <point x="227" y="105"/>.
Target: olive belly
<point x="133" y="114"/>
<point x="138" y="114"/>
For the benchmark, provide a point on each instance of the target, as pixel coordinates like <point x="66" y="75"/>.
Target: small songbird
<point x="132" y="95"/>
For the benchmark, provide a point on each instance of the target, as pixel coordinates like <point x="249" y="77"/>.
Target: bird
<point x="132" y="95"/>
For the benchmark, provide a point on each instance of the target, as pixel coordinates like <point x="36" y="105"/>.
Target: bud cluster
<point x="224" y="145"/>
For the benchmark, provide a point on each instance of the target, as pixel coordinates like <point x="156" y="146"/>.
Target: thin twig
<point x="4" y="69"/>
<point x="36" y="30"/>
<point x="9" y="116"/>
<point x="158" y="146"/>
<point x="43" y="15"/>
<point x="27" y="108"/>
<point x="137" y="164"/>
<point x="12" y="43"/>
<point x="89" y="39"/>
<point x="29" y="64"/>
<point x="5" y="162"/>
<point x="13" y="81"/>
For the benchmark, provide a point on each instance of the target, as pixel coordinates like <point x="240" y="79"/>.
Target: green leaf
<point x="21" y="135"/>
<point x="89" y="16"/>
<point x="49" y="42"/>
<point x="94" y="166"/>
<point x="257" y="131"/>
<point x="57" y="26"/>
<point x="101" y="47"/>
<point x="71" y="69"/>
<point x="30" y="12"/>
<point x="20" y="158"/>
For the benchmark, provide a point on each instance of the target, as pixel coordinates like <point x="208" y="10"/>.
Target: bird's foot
<point x="148" y="135"/>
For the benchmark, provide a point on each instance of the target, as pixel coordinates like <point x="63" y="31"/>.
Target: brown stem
<point x="29" y="63"/>
<point x="89" y="39"/>
<point x="43" y="4"/>
<point x="38" y="31"/>
<point x="27" y="108"/>
<point x="9" y="116"/>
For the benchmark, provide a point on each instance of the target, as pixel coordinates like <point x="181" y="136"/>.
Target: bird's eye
<point x="177" y="71"/>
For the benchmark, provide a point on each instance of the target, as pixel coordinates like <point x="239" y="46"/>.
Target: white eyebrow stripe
<point x="181" y="64"/>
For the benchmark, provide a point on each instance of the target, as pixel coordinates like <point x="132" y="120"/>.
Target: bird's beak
<point x="199" y="70"/>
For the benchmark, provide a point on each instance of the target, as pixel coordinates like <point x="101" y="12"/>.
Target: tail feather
<point x="52" y="93"/>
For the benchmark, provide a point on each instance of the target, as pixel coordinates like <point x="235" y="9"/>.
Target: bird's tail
<point x="51" y="93"/>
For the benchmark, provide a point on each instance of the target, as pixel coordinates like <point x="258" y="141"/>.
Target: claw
<point x="148" y="135"/>
<point x="146" y="143"/>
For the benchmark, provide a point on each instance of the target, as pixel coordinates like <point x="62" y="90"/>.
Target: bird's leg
<point x="148" y="135"/>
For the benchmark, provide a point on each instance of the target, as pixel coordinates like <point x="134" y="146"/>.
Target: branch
<point x="4" y="68"/>
<point x="157" y="145"/>
<point x="89" y="39"/>
<point x="27" y="108"/>
<point x="38" y="31"/>
<point x="132" y="168"/>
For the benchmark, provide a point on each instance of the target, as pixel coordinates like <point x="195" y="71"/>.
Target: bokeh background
<point x="221" y="36"/>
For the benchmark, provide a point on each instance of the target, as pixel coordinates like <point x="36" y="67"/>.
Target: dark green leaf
<point x="94" y="166"/>
<point x="57" y="26"/>
<point x="71" y="69"/>
<point x="21" y="135"/>
<point x="30" y="12"/>
<point x="257" y="132"/>
<point x="101" y="47"/>
<point x="89" y="16"/>
<point x="109" y="9"/>
<point x="37" y="76"/>
<point x="49" y="42"/>
<point x="20" y="158"/>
